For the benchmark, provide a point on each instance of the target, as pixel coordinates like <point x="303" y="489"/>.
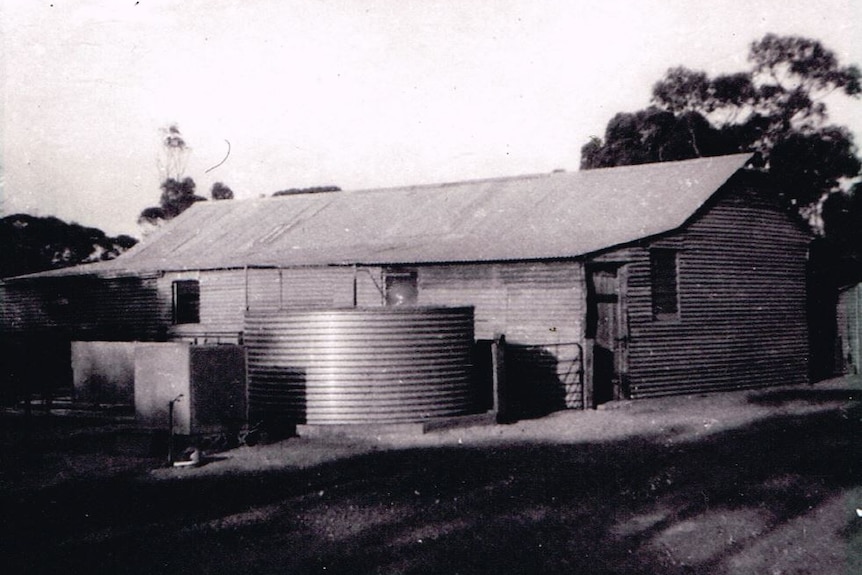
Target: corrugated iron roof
<point x="530" y="217"/>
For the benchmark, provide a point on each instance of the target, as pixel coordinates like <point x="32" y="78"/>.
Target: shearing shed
<point x="631" y="282"/>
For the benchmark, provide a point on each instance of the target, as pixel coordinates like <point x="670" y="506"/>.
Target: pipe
<point x="171" y="428"/>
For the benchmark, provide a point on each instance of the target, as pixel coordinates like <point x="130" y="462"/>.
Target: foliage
<point x="177" y="196"/>
<point x="313" y="190"/>
<point x="220" y="191"/>
<point x="31" y="244"/>
<point x="807" y="166"/>
<point x="776" y="108"/>
<point x="655" y="135"/>
<point x="178" y="192"/>
<point x="842" y="242"/>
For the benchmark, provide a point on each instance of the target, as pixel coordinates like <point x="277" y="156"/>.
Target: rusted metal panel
<point x="369" y="365"/>
<point x="742" y="304"/>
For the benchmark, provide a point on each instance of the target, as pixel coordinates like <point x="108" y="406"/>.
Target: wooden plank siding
<point x="742" y="302"/>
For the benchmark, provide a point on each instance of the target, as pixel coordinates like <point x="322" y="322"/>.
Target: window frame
<point x="412" y="278"/>
<point x="186" y="303"/>
<point x="664" y="270"/>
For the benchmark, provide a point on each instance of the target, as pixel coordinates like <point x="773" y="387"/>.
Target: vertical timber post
<point x="589" y="374"/>
<point x="246" y="288"/>
<point x="355" y="286"/>
<point x="280" y="289"/>
<point x="498" y="376"/>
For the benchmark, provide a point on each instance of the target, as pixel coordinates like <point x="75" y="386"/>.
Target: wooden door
<point x="608" y="327"/>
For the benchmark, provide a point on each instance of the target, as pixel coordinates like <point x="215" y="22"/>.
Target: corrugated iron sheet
<point x="532" y="217"/>
<point x="379" y="365"/>
<point x="742" y="312"/>
<point x="849" y="320"/>
<point x="85" y="308"/>
<point x="531" y="303"/>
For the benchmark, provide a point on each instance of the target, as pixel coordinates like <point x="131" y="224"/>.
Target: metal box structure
<point x="103" y="372"/>
<point x="206" y="385"/>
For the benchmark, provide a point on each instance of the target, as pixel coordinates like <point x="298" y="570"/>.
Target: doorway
<point x="607" y="326"/>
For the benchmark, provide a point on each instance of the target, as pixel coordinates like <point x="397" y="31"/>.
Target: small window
<point x="187" y="301"/>
<point x="664" y="280"/>
<point x="401" y="288"/>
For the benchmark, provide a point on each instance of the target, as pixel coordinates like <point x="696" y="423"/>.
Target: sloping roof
<point x="531" y="217"/>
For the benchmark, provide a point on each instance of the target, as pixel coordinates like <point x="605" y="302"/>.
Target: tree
<point x="776" y="108"/>
<point x="220" y="191"/>
<point x="842" y="241"/>
<point x="178" y="192"/>
<point x="655" y="135"/>
<point x="177" y="196"/>
<point x="32" y="244"/>
<point x="172" y="164"/>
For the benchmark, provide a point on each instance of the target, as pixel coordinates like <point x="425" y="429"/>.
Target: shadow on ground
<point x="807" y="394"/>
<point x="634" y="506"/>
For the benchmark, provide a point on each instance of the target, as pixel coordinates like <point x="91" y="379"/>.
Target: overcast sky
<point x="358" y="94"/>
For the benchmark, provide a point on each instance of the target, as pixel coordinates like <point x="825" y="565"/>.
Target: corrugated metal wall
<point x="529" y="302"/>
<point x="223" y="300"/>
<point x="40" y="319"/>
<point x="538" y="306"/>
<point x="226" y="294"/>
<point x="742" y="303"/>
<point x="86" y="307"/>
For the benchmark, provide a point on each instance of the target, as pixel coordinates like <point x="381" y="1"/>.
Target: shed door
<point x="608" y="327"/>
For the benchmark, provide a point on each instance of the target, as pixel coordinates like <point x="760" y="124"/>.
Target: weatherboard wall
<point x="742" y="302"/>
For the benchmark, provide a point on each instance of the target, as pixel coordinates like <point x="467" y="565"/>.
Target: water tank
<point x="360" y="365"/>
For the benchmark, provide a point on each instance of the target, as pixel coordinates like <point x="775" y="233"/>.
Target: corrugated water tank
<point x="360" y="365"/>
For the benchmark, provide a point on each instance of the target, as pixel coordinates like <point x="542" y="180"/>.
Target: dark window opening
<point x="401" y="288"/>
<point x="665" y="284"/>
<point x="187" y="301"/>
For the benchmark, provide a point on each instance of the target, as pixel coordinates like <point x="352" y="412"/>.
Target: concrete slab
<point x="368" y="431"/>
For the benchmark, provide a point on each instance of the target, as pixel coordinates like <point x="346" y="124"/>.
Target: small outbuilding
<point x="630" y="282"/>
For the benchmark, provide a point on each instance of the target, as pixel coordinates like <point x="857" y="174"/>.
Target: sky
<point x="359" y="94"/>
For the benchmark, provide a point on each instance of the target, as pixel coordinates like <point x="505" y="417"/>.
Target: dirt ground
<point x="750" y="482"/>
